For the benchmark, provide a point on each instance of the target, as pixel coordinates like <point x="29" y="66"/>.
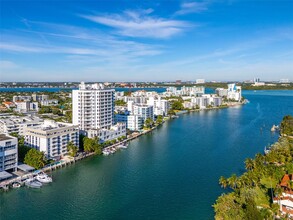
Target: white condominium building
<point x="26" y="106"/>
<point x="93" y="107"/>
<point x="234" y="92"/>
<point x="185" y="91"/>
<point x="38" y="98"/>
<point x="133" y="122"/>
<point x="203" y="102"/>
<point x="135" y="99"/>
<point x="161" y="106"/>
<point x="8" y="152"/>
<point x="21" y="98"/>
<point x="116" y="131"/>
<point x="93" y="111"/>
<point x="11" y="123"/>
<point x="143" y="111"/>
<point x="52" y="137"/>
<point x="222" y="92"/>
<point x="49" y="102"/>
<point x="119" y="95"/>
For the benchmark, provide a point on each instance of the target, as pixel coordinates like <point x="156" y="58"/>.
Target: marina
<point x="35" y="180"/>
<point x="29" y="178"/>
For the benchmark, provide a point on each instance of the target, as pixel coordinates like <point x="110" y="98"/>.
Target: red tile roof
<point x="7" y="103"/>
<point x="286" y="178"/>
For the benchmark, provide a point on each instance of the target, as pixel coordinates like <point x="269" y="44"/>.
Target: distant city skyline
<point x="119" y="41"/>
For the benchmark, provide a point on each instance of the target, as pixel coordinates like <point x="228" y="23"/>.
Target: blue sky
<point x="146" y="40"/>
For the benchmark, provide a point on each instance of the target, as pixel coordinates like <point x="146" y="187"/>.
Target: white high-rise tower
<point x="93" y="107"/>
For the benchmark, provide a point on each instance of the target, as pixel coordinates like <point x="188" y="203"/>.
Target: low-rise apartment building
<point x="52" y="137"/>
<point x="133" y="122"/>
<point x="21" y="98"/>
<point x="49" y="102"/>
<point x="115" y="131"/>
<point x="26" y="106"/>
<point x="11" y="123"/>
<point x="143" y="111"/>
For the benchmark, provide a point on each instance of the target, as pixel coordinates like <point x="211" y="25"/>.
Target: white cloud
<point x="19" y="48"/>
<point x="6" y="64"/>
<point x="192" y="7"/>
<point x="140" y="24"/>
<point x="83" y="43"/>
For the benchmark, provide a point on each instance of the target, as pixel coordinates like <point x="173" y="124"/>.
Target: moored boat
<point x="16" y="185"/>
<point x="122" y="146"/>
<point x="43" y="178"/>
<point x="275" y="128"/>
<point x="33" y="183"/>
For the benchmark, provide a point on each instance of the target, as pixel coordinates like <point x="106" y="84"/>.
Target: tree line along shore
<point x="258" y="192"/>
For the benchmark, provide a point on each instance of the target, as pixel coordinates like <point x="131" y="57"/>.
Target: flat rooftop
<point x="4" y="137"/>
<point x="13" y="120"/>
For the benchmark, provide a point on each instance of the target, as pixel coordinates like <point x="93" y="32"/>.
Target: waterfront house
<point x="285" y="200"/>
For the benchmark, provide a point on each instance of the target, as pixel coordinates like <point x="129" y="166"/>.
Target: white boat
<point x="33" y="183"/>
<point x="16" y="185"/>
<point x="122" y="146"/>
<point x="106" y="153"/>
<point x="275" y="128"/>
<point x="43" y="178"/>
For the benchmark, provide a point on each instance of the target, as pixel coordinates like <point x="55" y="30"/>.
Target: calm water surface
<point x="170" y="174"/>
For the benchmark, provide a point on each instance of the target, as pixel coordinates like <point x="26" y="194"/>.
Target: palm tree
<point x="223" y="182"/>
<point x="232" y="181"/>
<point x="245" y="181"/>
<point x="259" y="160"/>
<point x="249" y="164"/>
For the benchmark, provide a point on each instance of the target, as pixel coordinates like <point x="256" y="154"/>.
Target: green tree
<point x="88" y="144"/>
<point x="72" y="149"/>
<point x="22" y="149"/>
<point x="232" y="181"/>
<point x="45" y="109"/>
<point x="149" y="123"/>
<point x="120" y="103"/>
<point x="171" y="112"/>
<point x="228" y="207"/>
<point x="287" y="125"/>
<point x="159" y="119"/>
<point x="68" y="116"/>
<point x="249" y="164"/>
<point x="127" y="93"/>
<point x="56" y="111"/>
<point x="223" y="182"/>
<point x="92" y="145"/>
<point x="251" y="211"/>
<point x="177" y="105"/>
<point x="35" y="158"/>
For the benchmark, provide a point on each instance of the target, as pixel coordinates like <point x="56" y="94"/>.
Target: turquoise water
<point x="170" y="174"/>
